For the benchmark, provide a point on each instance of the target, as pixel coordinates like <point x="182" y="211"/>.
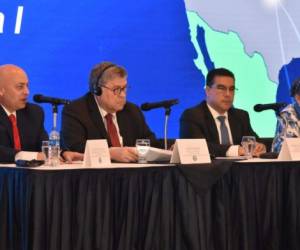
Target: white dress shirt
<point x="103" y="113"/>
<point x="233" y="150"/>
<point x="22" y="155"/>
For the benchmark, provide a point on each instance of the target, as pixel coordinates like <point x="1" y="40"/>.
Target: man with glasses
<point x="104" y="113"/>
<point x="216" y="120"/>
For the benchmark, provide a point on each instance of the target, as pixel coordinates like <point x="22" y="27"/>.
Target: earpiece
<point x="96" y="89"/>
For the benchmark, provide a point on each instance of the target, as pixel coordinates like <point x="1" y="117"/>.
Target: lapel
<point x="123" y="126"/>
<point x="96" y="117"/>
<point x="211" y="124"/>
<point x="5" y="123"/>
<point x="22" y="122"/>
<point x="234" y="127"/>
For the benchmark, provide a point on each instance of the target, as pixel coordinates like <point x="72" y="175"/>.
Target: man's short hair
<point x="217" y="72"/>
<point x="104" y="72"/>
<point x="295" y="89"/>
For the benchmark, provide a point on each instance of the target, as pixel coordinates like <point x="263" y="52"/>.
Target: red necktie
<point x="15" y="129"/>
<point x="112" y="131"/>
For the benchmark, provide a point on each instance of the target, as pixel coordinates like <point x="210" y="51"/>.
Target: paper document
<point x="157" y="154"/>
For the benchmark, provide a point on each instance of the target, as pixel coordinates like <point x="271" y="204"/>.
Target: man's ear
<point x="206" y="90"/>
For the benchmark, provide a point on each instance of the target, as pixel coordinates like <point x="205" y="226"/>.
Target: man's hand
<point x="259" y="149"/>
<point x="41" y="156"/>
<point x="70" y="156"/>
<point x="123" y="154"/>
<point x="241" y="151"/>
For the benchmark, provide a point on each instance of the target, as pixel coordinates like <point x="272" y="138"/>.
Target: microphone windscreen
<point x="37" y="98"/>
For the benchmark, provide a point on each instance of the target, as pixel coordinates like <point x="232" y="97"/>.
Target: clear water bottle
<point x="54" y="148"/>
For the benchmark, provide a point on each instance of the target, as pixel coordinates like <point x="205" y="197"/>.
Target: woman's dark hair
<point x="295" y="89"/>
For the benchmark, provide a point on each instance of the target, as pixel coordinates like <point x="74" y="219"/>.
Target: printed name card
<point x="290" y="150"/>
<point x="190" y="151"/>
<point x="96" y="154"/>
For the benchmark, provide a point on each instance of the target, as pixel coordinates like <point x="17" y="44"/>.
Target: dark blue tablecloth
<point x="226" y="205"/>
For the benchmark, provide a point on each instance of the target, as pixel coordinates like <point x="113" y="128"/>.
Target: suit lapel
<point x="124" y="127"/>
<point x="96" y="117"/>
<point x="5" y="123"/>
<point x="22" y="124"/>
<point x="211" y="124"/>
<point x="234" y="127"/>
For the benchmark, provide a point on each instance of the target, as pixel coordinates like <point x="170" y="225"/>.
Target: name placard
<point x="290" y="150"/>
<point x="190" y="151"/>
<point x="96" y="154"/>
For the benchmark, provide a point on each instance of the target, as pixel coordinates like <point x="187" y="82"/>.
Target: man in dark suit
<point x="104" y="113"/>
<point x="21" y="123"/>
<point x="222" y="125"/>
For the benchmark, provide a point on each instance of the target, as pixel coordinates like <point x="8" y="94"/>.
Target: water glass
<point x="142" y="146"/>
<point x="53" y="159"/>
<point x="248" y="144"/>
<point x="45" y="151"/>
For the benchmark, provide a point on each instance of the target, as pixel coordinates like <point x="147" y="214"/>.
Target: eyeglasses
<point x="118" y="90"/>
<point x="224" y="90"/>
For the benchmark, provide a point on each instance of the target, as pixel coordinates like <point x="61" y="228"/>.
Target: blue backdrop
<point x="60" y="41"/>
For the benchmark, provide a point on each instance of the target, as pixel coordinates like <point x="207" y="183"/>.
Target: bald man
<point x="21" y="123"/>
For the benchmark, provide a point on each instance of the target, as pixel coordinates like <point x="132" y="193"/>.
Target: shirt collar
<point x="9" y="113"/>
<point x="103" y="112"/>
<point x="216" y="114"/>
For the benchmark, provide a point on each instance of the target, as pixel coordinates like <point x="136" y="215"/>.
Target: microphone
<point x="277" y="106"/>
<point x="46" y="99"/>
<point x="163" y="104"/>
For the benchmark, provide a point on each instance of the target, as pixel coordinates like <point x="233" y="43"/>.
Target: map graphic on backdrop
<point x="258" y="40"/>
<point x="167" y="49"/>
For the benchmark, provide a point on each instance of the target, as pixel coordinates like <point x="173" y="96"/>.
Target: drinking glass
<point x="53" y="159"/>
<point x="248" y="144"/>
<point x="45" y="150"/>
<point x="142" y="146"/>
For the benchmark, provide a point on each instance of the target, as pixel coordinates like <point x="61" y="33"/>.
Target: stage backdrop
<point x="167" y="46"/>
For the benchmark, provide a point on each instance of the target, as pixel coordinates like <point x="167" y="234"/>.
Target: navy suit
<point x="81" y="120"/>
<point x="198" y="122"/>
<point x="30" y="121"/>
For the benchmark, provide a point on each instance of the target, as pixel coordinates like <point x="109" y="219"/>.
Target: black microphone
<point x="46" y="99"/>
<point x="163" y="104"/>
<point x="277" y="106"/>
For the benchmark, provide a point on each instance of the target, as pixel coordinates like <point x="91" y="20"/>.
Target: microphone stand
<point x="167" y="115"/>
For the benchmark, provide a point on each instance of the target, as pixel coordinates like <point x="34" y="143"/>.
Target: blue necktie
<point x="224" y="131"/>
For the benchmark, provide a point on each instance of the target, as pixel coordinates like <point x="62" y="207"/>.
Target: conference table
<point x="233" y="205"/>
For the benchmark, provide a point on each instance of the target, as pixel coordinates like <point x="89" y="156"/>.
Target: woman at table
<point x="288" y="124"/>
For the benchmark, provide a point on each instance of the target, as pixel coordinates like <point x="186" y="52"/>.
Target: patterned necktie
<point x="224" y="131"/>
<point x="112" y="131"/>
<point x="13" y="121"/>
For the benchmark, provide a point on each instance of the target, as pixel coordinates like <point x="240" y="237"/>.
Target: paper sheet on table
<point x="159" y="155"/>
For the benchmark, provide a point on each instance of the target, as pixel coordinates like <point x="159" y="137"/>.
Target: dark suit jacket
<point x="198" y="122"/>
<point x="81" y="120"/>
<point x="30" y="121"/>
